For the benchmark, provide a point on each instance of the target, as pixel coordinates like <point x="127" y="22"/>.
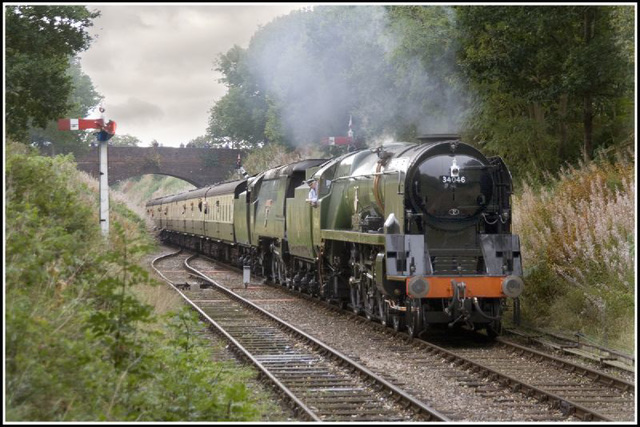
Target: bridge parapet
<point x="198" y="166"/>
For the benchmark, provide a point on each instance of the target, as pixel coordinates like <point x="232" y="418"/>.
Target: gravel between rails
<point x="460" y="395"/>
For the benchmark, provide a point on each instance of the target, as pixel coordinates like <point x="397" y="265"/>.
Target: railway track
<point x="321" y="383"/>
<point x="574" y="346"/>
<point x="572" y="392"/>
<point x="586" y="393"/>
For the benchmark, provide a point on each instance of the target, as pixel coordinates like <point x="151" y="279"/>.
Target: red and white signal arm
<point x="337" y="140"/>
<point x="82" y="124"/>
<point x="79" y="124"/>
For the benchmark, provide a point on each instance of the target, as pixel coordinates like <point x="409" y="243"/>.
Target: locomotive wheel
<point x="274" y="270"/>
<point x="494" y="329"/>
<point x="332" y="294"/>
<point x="356" y="298"/>
<point x="397" y="321"/>
<point x="370" y="306"/>
<point x="414" y="317"/>
<point x="383" y="310"/>
<point x="281" y="272"/>
<point x="259" y="267"/>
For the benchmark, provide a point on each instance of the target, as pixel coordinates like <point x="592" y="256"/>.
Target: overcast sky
<point x="155" y="64"/>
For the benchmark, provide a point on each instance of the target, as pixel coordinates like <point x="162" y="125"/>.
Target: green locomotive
<point x="413" y="235"/>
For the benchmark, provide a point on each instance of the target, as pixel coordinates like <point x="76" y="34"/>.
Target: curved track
<point x="322" y="383"/>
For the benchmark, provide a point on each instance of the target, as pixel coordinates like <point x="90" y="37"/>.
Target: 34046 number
<point x="451" y="179"/>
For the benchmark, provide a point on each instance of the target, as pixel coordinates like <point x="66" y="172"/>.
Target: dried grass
<point x="582" y="230"/>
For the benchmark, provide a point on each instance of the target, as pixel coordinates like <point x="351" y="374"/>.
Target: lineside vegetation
<point x="578" y="250"/>
<point x="80" y="343"/>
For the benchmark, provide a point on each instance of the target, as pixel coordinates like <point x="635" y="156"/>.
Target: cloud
<point x="137" y="110"/>
<point x="155" y="64"/>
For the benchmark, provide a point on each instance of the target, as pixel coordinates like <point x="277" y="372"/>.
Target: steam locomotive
<point x="413" y="235"/>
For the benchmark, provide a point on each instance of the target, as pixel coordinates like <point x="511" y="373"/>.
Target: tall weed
<point x="578" y="249"/>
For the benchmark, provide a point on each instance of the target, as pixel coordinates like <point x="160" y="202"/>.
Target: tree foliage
<point x="548" y="76"/>
<point x="125" y="140"/>
<point x="304" y="75"/>
<point x="539" y="86"/>
<point x="83" y="97"/>
<point x="238" y="117"/>
<point x="40" y="40"/>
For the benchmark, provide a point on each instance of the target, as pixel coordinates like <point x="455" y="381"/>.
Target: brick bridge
<point x="198" y="166"/>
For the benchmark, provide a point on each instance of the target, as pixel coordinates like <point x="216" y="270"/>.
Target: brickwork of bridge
<point x="198" y="166"/>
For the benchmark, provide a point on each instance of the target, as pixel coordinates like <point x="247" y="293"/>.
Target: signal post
<point x="106" y="132"/>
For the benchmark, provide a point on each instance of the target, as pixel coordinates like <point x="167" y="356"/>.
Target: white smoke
<point x="321" y="66"/>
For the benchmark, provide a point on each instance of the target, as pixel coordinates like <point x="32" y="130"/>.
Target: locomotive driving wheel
<point x="414" y="317"/>
<point x="370" y="301"/>
<point x="275" y="270"/>
<point x="356" y="297"/>
<point x="383" y="310"/>
<point x="397" y="319"/>
<point x="369" y="307"/>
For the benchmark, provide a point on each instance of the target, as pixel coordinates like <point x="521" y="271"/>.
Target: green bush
<point x="80" y="346"/>
<point x="188" y="385"/>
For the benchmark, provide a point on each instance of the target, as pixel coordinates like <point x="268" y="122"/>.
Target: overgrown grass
<point x="82" y="344"/>
<point x="142" y="189"/>
<point x="578" y="250"/>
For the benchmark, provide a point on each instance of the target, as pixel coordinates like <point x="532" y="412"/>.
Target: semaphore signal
<point x="106" y="130"/>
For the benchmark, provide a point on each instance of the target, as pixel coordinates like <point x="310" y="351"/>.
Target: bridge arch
<point x="197" y="166"/>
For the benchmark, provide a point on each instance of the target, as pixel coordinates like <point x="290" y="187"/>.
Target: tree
<point x="83" y="97"/>
<point x="40" y="40"/>
<point x="238" y="117"/>
<point x="595" y="81"/>
<point x="304" y="74"/>
<point x="434" y="99"/>
<point x="201" y="141"/>
<point x="125" y="140"/>
<point x="541" y="77"/>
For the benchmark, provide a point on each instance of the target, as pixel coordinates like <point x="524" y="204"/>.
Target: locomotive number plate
<point x="452" y="179"/>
